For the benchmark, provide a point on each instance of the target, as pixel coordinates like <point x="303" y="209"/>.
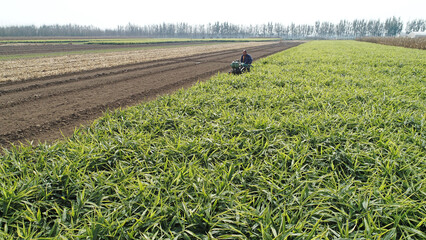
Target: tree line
<point x="344" y="29"/>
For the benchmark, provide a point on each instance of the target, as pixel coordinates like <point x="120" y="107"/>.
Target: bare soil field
<point x="46" y="108"/>
<point x="12" y="49"/>
<point x="36" y="67"/>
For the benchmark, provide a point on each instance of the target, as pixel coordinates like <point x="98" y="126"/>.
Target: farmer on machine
<point x="246" y="59"/>
<point x="243" y="65"/>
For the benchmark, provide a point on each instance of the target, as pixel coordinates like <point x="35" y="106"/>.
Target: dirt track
<point x="38" y="110"/>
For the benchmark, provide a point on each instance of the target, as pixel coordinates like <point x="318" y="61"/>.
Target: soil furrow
<point x="91" y="113"/>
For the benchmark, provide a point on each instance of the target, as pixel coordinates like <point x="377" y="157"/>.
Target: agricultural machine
<point x="238" y="67"/>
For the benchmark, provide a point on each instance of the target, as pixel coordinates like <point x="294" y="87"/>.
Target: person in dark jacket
<point x="247" y="59"/>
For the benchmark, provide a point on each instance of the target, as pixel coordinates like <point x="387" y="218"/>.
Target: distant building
<point x="417" y="35"/>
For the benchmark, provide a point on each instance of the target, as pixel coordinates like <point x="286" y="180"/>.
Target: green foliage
<point x="393" y="26"/>
<point x="325" y="140"/>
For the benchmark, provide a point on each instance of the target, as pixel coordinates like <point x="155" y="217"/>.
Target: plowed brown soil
<point x="7" y="49"/>
<point x="40" y="110"/>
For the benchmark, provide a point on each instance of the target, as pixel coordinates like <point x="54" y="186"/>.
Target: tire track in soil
<point x="40" y="109"/>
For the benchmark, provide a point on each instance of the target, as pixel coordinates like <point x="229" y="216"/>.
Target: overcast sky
<point x="110" y="14"/>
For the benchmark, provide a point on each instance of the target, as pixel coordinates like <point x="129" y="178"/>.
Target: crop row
<point x="325" y="140"/>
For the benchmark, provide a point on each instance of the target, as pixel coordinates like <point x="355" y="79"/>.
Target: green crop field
<point x="323" y="141"/>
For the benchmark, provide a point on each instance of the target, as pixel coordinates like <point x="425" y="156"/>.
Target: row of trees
<point x="50" y="30"/>
<point x="344" y="29"/>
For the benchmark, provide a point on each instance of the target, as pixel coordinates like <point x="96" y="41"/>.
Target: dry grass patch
<point x="419" y="43"/>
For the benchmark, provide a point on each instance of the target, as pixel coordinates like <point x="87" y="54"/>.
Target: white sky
<point x="110" y="14"/>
